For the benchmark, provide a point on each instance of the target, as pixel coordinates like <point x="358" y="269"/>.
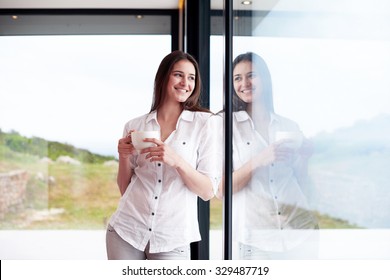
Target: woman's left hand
<point x="161" y="152"/>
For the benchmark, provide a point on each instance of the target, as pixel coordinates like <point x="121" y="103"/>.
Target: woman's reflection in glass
<point x="271" y="216"/>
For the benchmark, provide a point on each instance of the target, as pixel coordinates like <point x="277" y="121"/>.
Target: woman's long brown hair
<point x="261" y="67"/>
<point x="162" y="77"/>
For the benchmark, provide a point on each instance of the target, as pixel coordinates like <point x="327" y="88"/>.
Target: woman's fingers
<point x="154" y="154"/>
<point x="156" y="141"/>
<point x="159" y="145"/>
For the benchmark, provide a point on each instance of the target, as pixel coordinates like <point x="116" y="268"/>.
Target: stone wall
<point x="12" y="191"/>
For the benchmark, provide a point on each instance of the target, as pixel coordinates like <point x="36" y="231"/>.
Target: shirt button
<point x="276" y="197"/>
<point x="155" y="197"/>
<point x="271" y="180"/>
<point x="159" y="181"/>
<point x="184" y="143"/>
<point x="152" y="213"/>
<point x="279" y="213"/>
<point x="248" y="143"/>
<point x="150" y="229"/>
<point x="159" y="164"/>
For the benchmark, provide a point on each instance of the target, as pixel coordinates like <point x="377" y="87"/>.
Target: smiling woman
<point x="180" y="167"/>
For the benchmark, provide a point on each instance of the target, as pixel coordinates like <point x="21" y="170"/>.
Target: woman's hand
<point x="161" y="152"/>
<point x="276" y="152"/>
<point x="195" y="181"/>
<point x="125" y="146"/>
<point x="125" y="150"/>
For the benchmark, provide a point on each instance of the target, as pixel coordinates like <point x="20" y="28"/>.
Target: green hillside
<point x="50" y="149"/>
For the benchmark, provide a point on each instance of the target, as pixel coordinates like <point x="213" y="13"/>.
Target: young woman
<point x="157" y="214"/>
<point x="271" y="216"/>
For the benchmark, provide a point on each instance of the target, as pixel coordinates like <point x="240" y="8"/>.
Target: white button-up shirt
<point x="157" y="207"/>
<point x="271" y="212"/>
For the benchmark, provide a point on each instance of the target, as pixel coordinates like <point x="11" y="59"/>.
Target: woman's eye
<point x="252" y="76"/>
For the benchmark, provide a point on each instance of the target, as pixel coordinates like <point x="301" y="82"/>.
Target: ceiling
<point x="125" y="4"/>
<point x="335" y="6"/>
<point x="292" y="18"/>
<point x="157" y="23"/>
<point x="69" y="4"/>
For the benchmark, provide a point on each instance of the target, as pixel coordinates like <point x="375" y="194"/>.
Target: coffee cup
<point x="137" y="138"/>
<point x="289" y="139"/>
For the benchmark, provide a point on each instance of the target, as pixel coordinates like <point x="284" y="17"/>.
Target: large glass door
<point x="310" y="130"/>
<point x="68" y="84"/>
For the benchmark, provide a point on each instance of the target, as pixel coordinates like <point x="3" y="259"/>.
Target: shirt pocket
<point x="186" y="149"/>
<point x="244" y="151"/>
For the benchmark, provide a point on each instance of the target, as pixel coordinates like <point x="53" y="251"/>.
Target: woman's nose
<point x="184" y="81"/>
<point x="246" y="81"/>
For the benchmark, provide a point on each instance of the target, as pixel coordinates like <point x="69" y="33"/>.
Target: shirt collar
<point x="185" y="115"/>
<point x="242" y="116"/>
<point x="151" y="116"/>
<point x="274" y="118"/>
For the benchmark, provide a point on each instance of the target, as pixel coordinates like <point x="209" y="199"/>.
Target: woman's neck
<point x="169" y="112"/>
<point x="167" y="117"/>
<point x="261" y="118"/>
<point x="259" y="114"/>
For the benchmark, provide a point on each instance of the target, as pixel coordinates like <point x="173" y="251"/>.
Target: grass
<point x="78" y="197"/>
<point x="216" y="213"/>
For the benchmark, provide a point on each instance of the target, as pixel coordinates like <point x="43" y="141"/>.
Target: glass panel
<point x="216" y="105"/>
<point x="64" y="101"/>
<point x="311" y="130"/>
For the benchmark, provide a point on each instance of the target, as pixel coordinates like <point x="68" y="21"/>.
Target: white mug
<point x="137" y="138"/>
<point x="293" y="139"/>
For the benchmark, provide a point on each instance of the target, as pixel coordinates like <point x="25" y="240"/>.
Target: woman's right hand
<point x="125" y="146"/>
<point x="273" y="153"/>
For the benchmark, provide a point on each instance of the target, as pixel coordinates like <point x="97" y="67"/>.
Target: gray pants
<point x="119" y="249"/>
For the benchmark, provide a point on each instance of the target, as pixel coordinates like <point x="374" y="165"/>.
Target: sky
<point x="81" y="90"/>
<point x="77" y="89"/>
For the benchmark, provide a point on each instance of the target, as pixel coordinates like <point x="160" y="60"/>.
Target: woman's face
<point x="181" y="81"/>
<point x="246" y="82"/>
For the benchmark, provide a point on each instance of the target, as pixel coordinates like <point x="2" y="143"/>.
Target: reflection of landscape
<point x="350" y="173"/>
<point x="66" y="187"/>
